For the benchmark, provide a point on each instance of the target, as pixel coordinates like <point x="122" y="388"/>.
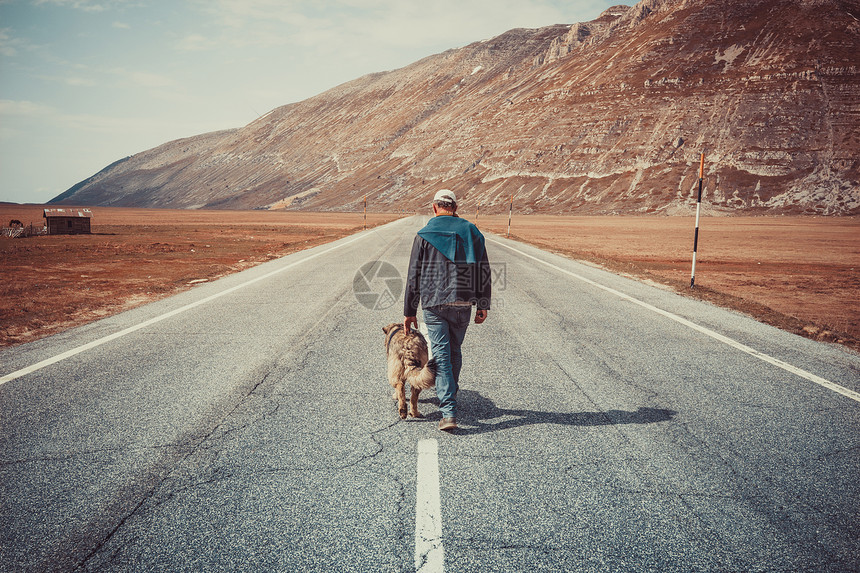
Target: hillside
<point x="598" y="117"/>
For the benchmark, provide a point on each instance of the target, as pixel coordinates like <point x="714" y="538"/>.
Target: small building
<point x="68" y="221"/>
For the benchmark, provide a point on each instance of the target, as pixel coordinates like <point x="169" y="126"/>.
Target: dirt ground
<point x="797" y="273"/>
<point x="52" y="283"/>
<point x="801" y="274"/>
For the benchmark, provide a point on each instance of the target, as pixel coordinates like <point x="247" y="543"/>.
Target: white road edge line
<point x="429" y="553"/>
<point x="151" y="321"/>
<point x="706" y="331"/>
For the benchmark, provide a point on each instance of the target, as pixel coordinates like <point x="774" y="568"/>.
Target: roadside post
<point x="365" y="212"/>
<point x="510" y="215"/>
<point x="698" y="210"/>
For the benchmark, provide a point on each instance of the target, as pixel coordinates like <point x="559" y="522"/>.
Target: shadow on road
<point x="476" y="410"/>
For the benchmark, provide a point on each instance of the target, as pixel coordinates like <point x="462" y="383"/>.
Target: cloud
<point x="85" y="5"/>
<point x="9" y="45"/>
<point x="239" y="13"/>
<point x="143" y="79"/>
<point x="25" y="108"/>
<point x="195" y="43"/>
<point x="110" y="125"/>
<point x="118" y="77"/>
<point x="79" y="82"/>
<point x="269" y="23"/>
<point x="33" y="111"/>
<point x="88" y="5"/>
<point x="81" y="77"/>
<point x="120" y="26"/>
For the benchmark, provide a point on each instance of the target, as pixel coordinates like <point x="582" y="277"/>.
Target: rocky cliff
<point x="599" y="117"/>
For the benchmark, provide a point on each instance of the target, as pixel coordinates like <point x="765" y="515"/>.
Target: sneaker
<point x="447" y="424"/>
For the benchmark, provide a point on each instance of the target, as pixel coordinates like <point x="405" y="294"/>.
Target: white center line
<point x="68" y="354"/>
<point x="429" y="553"/>
<point x="706" y="331"/>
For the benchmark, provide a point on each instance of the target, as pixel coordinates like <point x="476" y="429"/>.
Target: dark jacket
<point x="434" y="279"/>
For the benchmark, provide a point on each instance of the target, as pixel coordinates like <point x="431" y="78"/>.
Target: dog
<point x="408" y="363"/>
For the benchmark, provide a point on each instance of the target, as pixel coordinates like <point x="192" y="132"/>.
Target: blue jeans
<point x="446" y="329"/>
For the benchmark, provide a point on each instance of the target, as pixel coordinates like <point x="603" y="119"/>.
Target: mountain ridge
<point x="606" y="116"/>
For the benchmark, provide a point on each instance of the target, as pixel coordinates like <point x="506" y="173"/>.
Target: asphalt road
<point x="606" y="425"/>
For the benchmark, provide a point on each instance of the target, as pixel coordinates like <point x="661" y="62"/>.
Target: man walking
<point x="448" y="274"/>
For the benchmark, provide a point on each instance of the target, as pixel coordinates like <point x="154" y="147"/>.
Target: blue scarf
<point x="457" y="239"/>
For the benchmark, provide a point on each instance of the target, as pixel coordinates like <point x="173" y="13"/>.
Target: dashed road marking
<point x="429" y="552"/>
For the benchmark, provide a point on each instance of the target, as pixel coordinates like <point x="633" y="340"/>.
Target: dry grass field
<point x="797" y="273"/>
<point x="134" y="256"/>
<point x="801" y="274"/>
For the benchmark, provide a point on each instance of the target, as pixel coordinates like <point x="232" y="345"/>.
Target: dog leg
<point x="397" y="380"/>
<point x="401" y="399"/>
<point x="413" y="404"/>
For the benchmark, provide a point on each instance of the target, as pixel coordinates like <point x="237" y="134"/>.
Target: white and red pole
<point x="698" y="210"/>
<point x="510" y="215"/>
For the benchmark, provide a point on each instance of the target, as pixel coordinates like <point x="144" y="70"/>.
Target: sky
<point x="84" y="83"/>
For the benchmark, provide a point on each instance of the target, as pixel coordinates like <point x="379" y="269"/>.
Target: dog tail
<point x="423" y="378"/>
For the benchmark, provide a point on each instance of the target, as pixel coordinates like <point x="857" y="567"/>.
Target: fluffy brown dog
<point x="407" y="362"/>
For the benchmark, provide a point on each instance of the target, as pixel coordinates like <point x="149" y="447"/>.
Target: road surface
<point x="606" y="425"/>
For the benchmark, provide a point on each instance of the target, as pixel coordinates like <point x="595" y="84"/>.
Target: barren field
<point x="134" y="256"/>
<point x="797" y="273"/>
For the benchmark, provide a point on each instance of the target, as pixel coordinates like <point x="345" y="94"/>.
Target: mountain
<point x="607" y="116"/>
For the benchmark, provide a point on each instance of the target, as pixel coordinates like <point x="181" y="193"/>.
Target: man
<point x="448" y="274"/>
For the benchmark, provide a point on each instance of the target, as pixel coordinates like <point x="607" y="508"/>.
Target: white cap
<point x="445" y="195"/>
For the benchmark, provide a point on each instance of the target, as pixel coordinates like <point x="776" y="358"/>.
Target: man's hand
<point x="480" y="316"/>
<point x="410" y="320"/>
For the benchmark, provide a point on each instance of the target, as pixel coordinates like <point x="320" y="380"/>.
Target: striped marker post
<point x="698" y="210"/>
<point x="365" y="212"/>
<point x="510" y="215"/>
